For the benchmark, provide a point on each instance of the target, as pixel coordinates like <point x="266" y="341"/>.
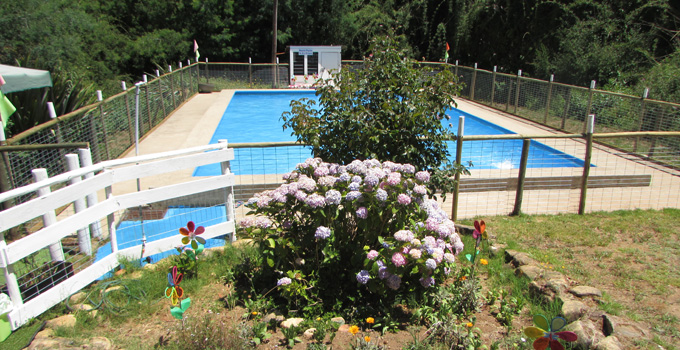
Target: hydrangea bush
<point x="366" y="229"/>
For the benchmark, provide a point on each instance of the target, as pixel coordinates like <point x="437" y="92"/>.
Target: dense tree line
<point x="623" y="44"/>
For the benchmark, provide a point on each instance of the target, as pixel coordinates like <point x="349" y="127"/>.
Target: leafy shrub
<point x="364" y="231"/>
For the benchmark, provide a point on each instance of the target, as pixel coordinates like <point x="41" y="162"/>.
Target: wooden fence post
<point x="566" y="109"/>
<point x="455" y="70"/>
<point x="642" y="118"/>
<point x="148" y="103"/>
<point x="547" y="104"/>
<point x="49" y="218"/>
<point x="84" y="242"/>
<point x="172" y="89"/>
<point x="160" y="91"/>
<point x="493" y="85"/>
<point x="472" y="85"/>
<point x="127" y="112"/>
<point x="586" y="164"/>
<point x="101" y="116"/>
<point x="182" y="95"/>
<point x="459" y="160"/>
<point x="519" y="76"/>
<point x="590" y="104"/>
<point x="524" y="160"/>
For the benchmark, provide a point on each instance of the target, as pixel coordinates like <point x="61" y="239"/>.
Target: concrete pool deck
<point x="193" y="124"/>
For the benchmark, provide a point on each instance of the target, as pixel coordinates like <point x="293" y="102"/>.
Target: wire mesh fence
<point x="245" y="75"/>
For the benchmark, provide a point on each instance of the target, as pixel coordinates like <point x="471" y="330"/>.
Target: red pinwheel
<point x="550" y="337"/>
<point x="174" y="292"/>
<point x="480" y="230"/>
<point x="191" y="233"/>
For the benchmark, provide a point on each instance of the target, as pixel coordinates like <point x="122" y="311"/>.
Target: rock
<point x="273" y="317"/>
<point x="45" y="333"/>
<point x="242" y="242"/>
<point x="119" y="272"/>
<point x="100" y="343"/>
<point x="530" y="271"/>
<point x="620" y="327"/>
<point x="585" y="291"/>
<point x="134" y="275"/>
<point x="573" y="310"/>
<point x="608" y="343"/>
<point x="150" y="267"/>
<point x="558" y="285"/>
<point x="494" y="250"/>
<point x="113" y="289"/>
<point x="86" y="309"/>
<point x="309" y="334"/>
<point x="292" y="322"/>
<point x="77" y="298"/>
<point x="518" y="258"/>
<point x="44" y="343"/>
<point x="587" y="333"/>
<point x="338" y="320"/>
<point x="61" y="321"/>
<point x="344" y="328"/>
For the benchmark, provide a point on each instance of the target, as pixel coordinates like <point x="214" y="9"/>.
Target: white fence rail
<point x="107" y="175"/>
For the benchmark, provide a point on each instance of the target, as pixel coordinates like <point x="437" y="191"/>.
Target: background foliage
<point x="622" y="44"/>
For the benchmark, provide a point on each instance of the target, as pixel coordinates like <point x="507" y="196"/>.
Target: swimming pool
<point x="254" y="116"/>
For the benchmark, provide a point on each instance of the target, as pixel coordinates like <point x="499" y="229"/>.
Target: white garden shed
<point x="308" y="63"/>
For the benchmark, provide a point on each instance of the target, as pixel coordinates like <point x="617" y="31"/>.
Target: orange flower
<point x="354" y="330"/>
<point x="370" y="320"/>
<point x="463" y="278"/>
<point x="367" y="339"/>
<point x="483" y="262"/>
<point x="469" y="325"/>
<point x="254" y="313"/>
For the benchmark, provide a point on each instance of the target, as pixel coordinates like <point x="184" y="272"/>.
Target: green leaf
<point x="270" y="262"/>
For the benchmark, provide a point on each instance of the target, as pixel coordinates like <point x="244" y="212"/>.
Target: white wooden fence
<point x="102" y="176"/>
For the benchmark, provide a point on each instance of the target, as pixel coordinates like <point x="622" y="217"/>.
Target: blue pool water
<point x="129" y="232"/>
<point x="256" y="117"/>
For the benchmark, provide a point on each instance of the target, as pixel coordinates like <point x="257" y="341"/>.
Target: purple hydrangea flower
<point x="415" y="253"/>
<point x="457" y="244"/>
<point x="381" y="195"/>
<point x="380" y="263"/>
<point x="437" y="254"/>
<point x="333" y="197"/>
<point x="427" y="282"/>
<point x="420" y="189"/>
<point x="362" y="213"/>
<point x="327" y="181"/>
<point x="321" y="171"/>
<point x="398" y="259"/>
<point x="357" y="167"/>
<point x="423" y="176"/>
<point x="363" y="277"/>
<point x="307" y="184"/>
<point x="393" y="179"/>
<point x="263" y="201"/>
<point x="382" y="272"/>
<point x="284" y="281"/>
<point x="404" y="199"/>
<point x="393" y="282"/>
<point x="354" y="186"/>
<point x="353" y="195"/>
<point x="322" y="232"/>
<point x="404" y="235"/>
<point x="431" y="264"/>
<point x="371" y="180"/>
<point x="408" y="168"/>
<point x="300" y="195"/>
<point x="263" y="222"/>
<point x="344" y="177"/>
<point x="357" y="179"/>
<point x="372" y="254"/>
<point x="448" y="257"/>
<point x="315" y="200"/>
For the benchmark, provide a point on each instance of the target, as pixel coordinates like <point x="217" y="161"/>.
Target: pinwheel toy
<point x="178" y="312"/>
<point x="480" y="230"/>
<point x="548" y="335"/>
<point x="174" y="292"/>
<point x="191" y="233"/>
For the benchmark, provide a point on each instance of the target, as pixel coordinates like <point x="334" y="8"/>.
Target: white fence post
<point x="111" y="220"/>
<point x="229" y="204"/>
<point x="49" y="218"/>
<point x="10" y="277"/>
<point x="86" y="161"/>
<point x="84" y="242"/>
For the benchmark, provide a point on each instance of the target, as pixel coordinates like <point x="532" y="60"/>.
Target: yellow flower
<point x="367" y="339"/>
<point x="483" y="262"/>
<point x="354" y="330"/>
<point x="469" y="325"/>
<point x="370" y="320"/>
<point x="318" y="318"/>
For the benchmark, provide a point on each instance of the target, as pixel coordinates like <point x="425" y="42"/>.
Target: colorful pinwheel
<point x="174" y="292"/>
<point x="547" y="335"/>
<point x="178" y="312"/>
<point x="191" y="233"/>
<point x="480" y="231"/>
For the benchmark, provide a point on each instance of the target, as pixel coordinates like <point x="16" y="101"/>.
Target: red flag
<point x="447" y="46"/>
<point x="196" y="45"/>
